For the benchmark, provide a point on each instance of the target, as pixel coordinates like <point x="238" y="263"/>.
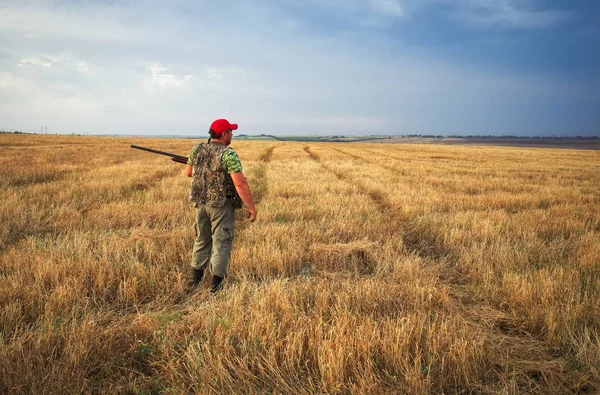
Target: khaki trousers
<point x="214" y="236"/>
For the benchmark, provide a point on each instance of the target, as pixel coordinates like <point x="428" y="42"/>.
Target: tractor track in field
<point x="411" y="243"/>
<point x="376" y="196"/>
<point x="267" y="155"/>
<point x="358" y="157"/>
<point x="503" y="332"/>
<point x="260" y="182"/>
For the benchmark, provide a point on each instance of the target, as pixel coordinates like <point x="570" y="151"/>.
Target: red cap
<point x="221" y="125"/>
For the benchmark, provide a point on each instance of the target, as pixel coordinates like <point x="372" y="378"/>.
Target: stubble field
<point x="371" y="269"/>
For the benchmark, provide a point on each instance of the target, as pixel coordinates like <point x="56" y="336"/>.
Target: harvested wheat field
<point x="371" y="269"/>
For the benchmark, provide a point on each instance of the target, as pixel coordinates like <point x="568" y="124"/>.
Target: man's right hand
<point x="252" y="214"/>
<point x="243" y="190"/>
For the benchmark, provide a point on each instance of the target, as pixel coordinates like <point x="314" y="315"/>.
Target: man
<point x="218" y="188"/>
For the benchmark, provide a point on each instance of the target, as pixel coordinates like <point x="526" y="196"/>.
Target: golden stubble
<point x="371" y="268"/>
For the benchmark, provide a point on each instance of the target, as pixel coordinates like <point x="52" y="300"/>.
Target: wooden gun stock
<point x="174" y="158"/>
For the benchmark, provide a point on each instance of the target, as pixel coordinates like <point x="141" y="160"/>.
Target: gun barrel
<point x="179" y="158"/>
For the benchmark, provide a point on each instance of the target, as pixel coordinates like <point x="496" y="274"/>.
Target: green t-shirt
<point x="230" y="161"/>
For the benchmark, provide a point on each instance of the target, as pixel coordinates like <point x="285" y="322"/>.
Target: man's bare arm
<point x="188" y="170"/>
<point x="243" y="189"/>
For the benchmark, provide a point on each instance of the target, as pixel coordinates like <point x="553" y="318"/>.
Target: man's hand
<point x="243" y="189"/>
<point x="188" y="170"/>
<point x="252" y="214"/>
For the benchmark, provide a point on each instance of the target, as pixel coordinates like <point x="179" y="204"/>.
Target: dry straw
<point x="371" y="269"/>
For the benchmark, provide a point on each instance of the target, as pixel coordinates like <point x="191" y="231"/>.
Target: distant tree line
<point x="12" y="131"/>
<point x="510" y="136"/>
<point x="382" y="136"/>
<point x="475" y="136"/>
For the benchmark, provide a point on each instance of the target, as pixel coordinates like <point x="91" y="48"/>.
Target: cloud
<point x="390" y="8"/>
<point x="161" y="79"/>
<point x="512" y="14"/>
<point x="357" y="13"/>
<point x="220" y="77"/>
<point x="43" y="21"/>
<point x="49" y="61"/>
<point x="15" y="88"/>
<point x="169" y="72"/>
<point x="507" y="14"/>
<point x="43" y="61"/>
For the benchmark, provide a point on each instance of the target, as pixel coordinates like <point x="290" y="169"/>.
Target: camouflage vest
<point x="211" y="184"/>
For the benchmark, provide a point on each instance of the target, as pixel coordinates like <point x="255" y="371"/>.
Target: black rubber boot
<point x="217" y="284"/>
<point x="198" y="275"/>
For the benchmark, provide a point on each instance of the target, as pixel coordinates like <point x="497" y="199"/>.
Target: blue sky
<point x="292" y="67"/>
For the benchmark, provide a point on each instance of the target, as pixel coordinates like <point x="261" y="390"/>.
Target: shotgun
<point x="174" y="158"/>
